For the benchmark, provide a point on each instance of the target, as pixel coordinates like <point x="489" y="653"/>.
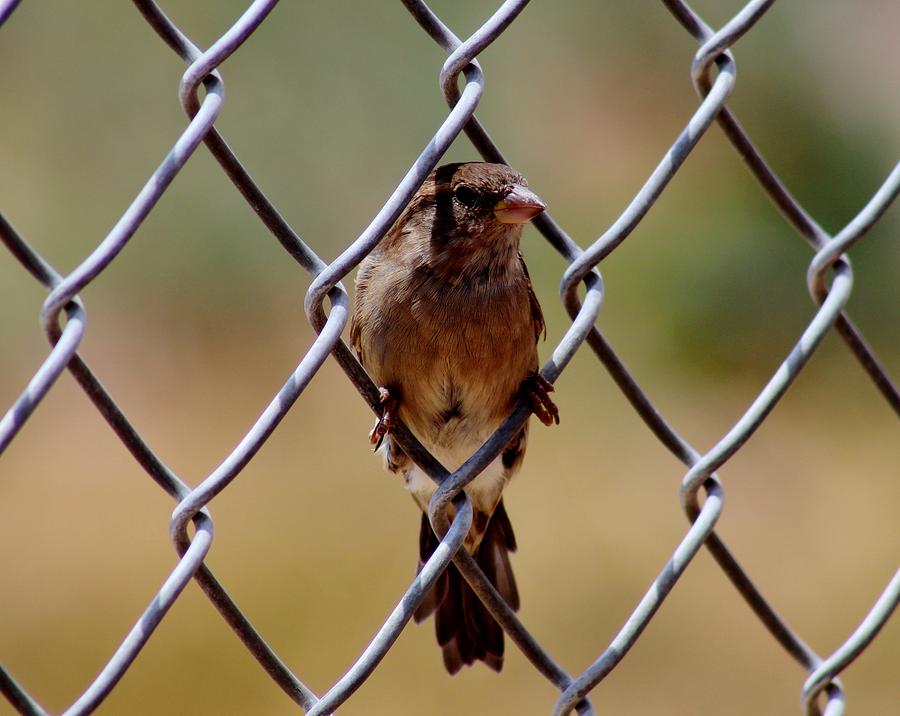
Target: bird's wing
<point x="354" y="336"/>
<point x="356" y="317"/>
<point x="537" y="315"/>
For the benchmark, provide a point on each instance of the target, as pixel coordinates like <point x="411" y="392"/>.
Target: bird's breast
<point x="458" y="356"/>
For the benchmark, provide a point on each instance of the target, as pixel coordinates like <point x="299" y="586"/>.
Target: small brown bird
<point x="446" y="323"/>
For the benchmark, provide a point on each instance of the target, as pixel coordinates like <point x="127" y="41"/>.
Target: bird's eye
<point x="466" y="195"/>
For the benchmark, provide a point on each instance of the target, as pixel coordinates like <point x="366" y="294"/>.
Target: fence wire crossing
<point x="829" y="281"/>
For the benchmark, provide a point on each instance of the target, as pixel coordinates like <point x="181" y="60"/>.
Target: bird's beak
<point x="517" y="207"/>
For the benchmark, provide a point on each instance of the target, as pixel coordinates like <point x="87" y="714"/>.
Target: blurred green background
<point x="199" y="321"/>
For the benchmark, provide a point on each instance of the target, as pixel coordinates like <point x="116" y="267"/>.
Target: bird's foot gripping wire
<point x="390" y="402"/>
<point x="536" y="391"/>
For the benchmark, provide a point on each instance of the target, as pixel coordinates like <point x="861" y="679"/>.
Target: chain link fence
<point x="829" y="277"/>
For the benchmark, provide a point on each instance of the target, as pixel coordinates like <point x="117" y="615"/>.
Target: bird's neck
<point x="490" y="259"/>
<point x="499" y="265"/>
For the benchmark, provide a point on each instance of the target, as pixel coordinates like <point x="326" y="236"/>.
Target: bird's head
<point x="481" y="197"/>
<point x="471" y="215"/>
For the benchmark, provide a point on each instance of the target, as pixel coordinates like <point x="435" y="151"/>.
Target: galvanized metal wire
<point x="830" y="280"/>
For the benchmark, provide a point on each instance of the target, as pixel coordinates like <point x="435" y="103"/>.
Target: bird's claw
<point x="389" y="404"/>
<point x="536" y="391"/>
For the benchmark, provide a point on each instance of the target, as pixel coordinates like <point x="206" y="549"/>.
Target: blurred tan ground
<point x="195" y="327"/>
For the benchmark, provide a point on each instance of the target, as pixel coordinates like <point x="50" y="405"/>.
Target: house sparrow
<point x="446" y="323"/>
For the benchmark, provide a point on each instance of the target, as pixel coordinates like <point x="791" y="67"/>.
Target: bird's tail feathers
<point x="465" y="629"/>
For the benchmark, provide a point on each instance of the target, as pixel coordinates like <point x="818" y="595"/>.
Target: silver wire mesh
<point x="829" y="282"/>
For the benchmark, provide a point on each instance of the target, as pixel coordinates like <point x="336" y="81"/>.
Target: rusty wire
<point x="830" y="280"/>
